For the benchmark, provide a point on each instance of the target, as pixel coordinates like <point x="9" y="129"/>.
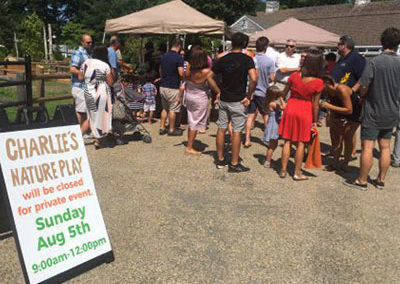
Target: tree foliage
<point x="71" y="33"/>
<point x="32" y="37"/>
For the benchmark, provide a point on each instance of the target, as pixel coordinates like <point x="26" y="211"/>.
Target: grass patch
<point x="52" y="88"/>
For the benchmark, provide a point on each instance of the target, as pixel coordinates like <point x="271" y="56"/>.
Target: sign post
<point x="56" y="217"/>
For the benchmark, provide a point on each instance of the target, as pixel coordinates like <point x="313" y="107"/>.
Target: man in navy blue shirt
<point x="349" y="68"/>
<point x="171" y="70"/>
<point x="348" y="71"/>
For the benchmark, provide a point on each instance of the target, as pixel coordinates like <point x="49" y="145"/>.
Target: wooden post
<point x="21" y="91"/>
<point x="16" y="45"/>
<point x="50" y="44"/>
<point x="40" y="84"/>
<point x="46" y="54"/>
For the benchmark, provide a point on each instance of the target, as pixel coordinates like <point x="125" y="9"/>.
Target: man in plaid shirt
<point x="77" y="87"/>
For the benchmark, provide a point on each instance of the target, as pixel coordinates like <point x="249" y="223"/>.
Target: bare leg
<point x="178" y="119"/>
<point x="171" y="117"/>
<point x="384" y="159"/>
<point x="151" y="117"/>
<point x="270" y="151"/>
<point x="298" y="160"/>
<point x="220" y="143"/>
<point x="189" y="147"/>
<point x="285" y="155"/>
<point x="367" y="147"/>
<point x="163" y="118"/>
<point x="336" y="132"/>
<point x="249" y="123"/>
<point x="236" y="141"/>
<point x="349" y="146"/>
<point x="354" y="150"/>
<point x="230" y="129"/>
<point x="85" y="126"/>
<point x="79" y="118"/>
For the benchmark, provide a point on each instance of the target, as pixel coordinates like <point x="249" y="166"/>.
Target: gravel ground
<point x="174" y="218"/>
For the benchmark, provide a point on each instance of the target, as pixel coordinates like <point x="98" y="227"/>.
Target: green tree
<point x="7" y="27"/>
<point x="32" y="38"/>
<point x="71" y="33"/>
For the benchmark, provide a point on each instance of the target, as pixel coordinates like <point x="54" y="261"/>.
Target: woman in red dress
<point x="301" y="113"/>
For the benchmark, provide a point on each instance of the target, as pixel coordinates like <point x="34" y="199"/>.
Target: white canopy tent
<point x="304" y="34"/>
<point x="174" y="17"/>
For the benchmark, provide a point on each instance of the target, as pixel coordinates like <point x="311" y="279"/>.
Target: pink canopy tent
<point x="304" y="34"/>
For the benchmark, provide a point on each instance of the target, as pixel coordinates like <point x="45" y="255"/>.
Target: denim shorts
<point x="257" y="103"/>
<point x="375" y="133"/>
<point x="232" y="111"/>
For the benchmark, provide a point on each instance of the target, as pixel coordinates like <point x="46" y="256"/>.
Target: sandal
<point x="98" y="145"/>
<point x="282" y="174"/>
<point x="247" y="145"/>
<point x="267" y="164"/>
<point x="299" y="178"/>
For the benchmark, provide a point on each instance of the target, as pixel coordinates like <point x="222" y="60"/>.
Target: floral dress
<point x="98" y="96"/>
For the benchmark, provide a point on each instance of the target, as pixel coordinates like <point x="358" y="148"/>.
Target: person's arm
<point x="316" y="108"/>
<point x="366" y="79"/>
<point x="110" y="78"/>
<point x="252" y="86"/>
<point x="211" y="82"/>
<point x="285" y="70"/>
<point x="286" y="89"/>
<point x="78" y="73"/>
<point x="181" y="72"/>
<point x="272" y="77"/>
<point x="282" y="103"/>
<point x="344" y="93"/>
<point x="356" y="87"/>
<point x="187" y="72"/>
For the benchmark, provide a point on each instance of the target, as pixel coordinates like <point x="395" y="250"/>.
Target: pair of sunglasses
<point x="291" y="46"/>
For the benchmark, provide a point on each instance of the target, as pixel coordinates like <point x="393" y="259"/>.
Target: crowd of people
<point x="292" y="92"/>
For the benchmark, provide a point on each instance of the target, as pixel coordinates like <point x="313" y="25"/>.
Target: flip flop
<point x="299" y="178"/>
<point x="247" y="145"/>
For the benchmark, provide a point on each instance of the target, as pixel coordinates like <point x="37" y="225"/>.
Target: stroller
<point x="124" y="119"/>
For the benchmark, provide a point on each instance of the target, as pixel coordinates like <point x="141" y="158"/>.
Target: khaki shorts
<point x="169" y="99"/>
<point x="79" y="99"/>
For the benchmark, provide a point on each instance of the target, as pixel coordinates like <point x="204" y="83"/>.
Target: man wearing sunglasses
<point x="287" y="62"/>
<point x="77" y="87"/>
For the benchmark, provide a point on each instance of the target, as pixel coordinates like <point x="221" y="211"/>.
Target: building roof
<point x="364" y="23"/>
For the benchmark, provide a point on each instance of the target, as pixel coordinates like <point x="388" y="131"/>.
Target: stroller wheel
<point x="146" y="139"/>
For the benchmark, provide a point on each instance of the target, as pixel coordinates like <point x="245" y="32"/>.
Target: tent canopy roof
<point x="303" y="33"/>
<point x="174" y="17"/>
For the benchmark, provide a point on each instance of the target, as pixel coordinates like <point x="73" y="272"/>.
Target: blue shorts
<point x="256" y="103"/>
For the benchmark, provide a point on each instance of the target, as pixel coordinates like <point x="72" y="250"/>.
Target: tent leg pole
<point x="104" y="37"/>
<point x="141" y="49"/>
<point x="223" y="42"/>
<point x="184" y="41"/>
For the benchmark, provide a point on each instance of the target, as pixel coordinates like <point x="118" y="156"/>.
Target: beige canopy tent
<point x="304" y="34"/>
<point x="174" y="17"/>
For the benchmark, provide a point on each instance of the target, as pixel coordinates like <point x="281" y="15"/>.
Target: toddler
<point x="150" y="91"/>
<point x="273" y="105"/>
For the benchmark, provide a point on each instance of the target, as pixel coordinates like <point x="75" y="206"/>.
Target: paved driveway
<point x="174" y="218"/>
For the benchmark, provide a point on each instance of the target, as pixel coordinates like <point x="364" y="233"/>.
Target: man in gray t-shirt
<point x="265" y="68"/>
<point x="380" y="89"/>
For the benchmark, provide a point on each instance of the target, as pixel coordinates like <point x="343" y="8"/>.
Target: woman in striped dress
<point x="98" y="78"/>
